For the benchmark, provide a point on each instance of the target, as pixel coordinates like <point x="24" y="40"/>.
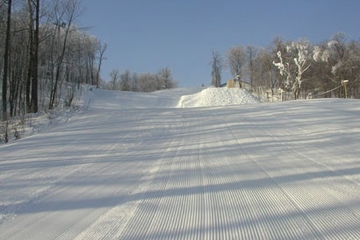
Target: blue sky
<point x="147" y="35"/>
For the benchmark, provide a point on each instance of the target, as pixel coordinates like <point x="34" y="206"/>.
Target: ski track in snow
<point x="187" y="164"/>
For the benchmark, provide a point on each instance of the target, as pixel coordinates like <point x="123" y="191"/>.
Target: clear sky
<point x="147" y="35"/>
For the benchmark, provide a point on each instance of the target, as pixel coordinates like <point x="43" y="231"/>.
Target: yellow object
<point x="230" y="83"/>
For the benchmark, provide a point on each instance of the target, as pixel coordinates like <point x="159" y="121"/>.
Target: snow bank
<point x="212" y="97"/>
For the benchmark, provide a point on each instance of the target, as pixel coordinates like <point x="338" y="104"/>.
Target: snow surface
<point x="212" y="97"/>
<point x="158" y="166"/>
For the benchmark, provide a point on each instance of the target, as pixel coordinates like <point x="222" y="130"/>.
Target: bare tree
<point x="251" y="53"/>
<point x="236" y="59"/>
<point x="18" y="63"/>
<point x="265" y="75"/>
<point x="216" y="65"/>
<point x="102" y="49"/>
<point x="114" y="76"/>
<point x="65" y="13"/>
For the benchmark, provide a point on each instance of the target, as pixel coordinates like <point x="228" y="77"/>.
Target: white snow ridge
<point x="186" y="164"/>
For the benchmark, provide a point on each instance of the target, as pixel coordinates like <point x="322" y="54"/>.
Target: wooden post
<point x="344" y="82"/>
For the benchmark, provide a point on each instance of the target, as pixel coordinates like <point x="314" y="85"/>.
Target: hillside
<point x="186" y="164"/>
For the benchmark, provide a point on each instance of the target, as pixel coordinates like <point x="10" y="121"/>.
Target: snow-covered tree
<point x="125" y="81"/>
<point x="294" y="69"/>
<point x="335" y="58"/>
<point x="332" y="54"/>
<point x="166" y="79"/>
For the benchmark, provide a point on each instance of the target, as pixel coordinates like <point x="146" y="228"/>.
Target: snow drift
<point x="211" y="97"/>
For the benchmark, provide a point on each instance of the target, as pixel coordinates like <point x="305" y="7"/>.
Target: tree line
<point x="328" y="69"/>
<point x="41" y="50"/>
<point x="141" y="82"/>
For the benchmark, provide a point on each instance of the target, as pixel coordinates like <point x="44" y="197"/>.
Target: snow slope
<point x="138" y="166"/>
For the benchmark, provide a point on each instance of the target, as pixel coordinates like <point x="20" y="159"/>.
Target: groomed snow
<point x="186" y="164"/>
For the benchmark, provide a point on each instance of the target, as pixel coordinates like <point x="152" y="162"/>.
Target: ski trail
<point x="258" y="204"/>
<point x="59" y="192"/>
<point x="214" y="186"/>
<point x="112" y="224"/>
<point x="319" y="207"/>
<point x="199" y="196"/>
<point x="165" y="203"/>
<point x="239" y="172"/>
<point x="93" y="174"/>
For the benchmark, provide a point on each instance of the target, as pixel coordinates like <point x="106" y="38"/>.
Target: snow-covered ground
<point x="187" y="164"/>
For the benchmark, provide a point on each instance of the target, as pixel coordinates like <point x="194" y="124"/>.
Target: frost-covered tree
<point x="337" y="59"/>
<point x="284" y="68"/>
<point x="125" y="81"/>
<point x="147" y="82"/>
<point x="166" y="79"/>
<point x="143" y="82"/>
<point x="302" y="62"/>
<point x="134" y="82"/>
<point x="294" y="70"/>
<point x="353" y="68"/>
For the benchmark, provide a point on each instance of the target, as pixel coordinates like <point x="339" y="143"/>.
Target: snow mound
<point x="213" y="97"/>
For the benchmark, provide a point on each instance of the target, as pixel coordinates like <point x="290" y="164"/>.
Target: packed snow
<point x="212" y="97"/>
<point x="191" y="163"/>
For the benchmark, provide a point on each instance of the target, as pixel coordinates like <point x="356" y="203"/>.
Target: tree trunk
<point x="31" y="58"/>
<point x="5" y="71"/>
<point x="34" y="80"/>
<point x="102" y="50"/>
<point x="59" y="63"/>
